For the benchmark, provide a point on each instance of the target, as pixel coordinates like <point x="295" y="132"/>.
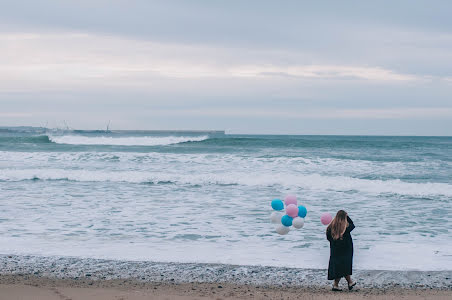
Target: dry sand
<point x="15" y="287"/>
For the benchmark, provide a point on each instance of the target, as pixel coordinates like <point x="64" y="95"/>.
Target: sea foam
<point x="125" y="141"/>
<point x="308" y="182"/>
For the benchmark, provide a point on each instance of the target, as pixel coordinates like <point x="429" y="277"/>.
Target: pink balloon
<point x="292" y="210"/>
<point x="290" y="199"/>
<point x="326" y="218"/>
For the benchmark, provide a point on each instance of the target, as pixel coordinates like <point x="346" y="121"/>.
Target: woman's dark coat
<point x="341" y="253"/>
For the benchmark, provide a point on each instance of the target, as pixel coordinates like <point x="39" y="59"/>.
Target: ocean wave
<point x="436" y="170"/>
<point x="125" y="141"/>
<point x="310" y="182"/>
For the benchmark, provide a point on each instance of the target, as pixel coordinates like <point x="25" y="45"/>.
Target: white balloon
<point x="282" y="230"/>
<point x="298" y="222"/>
<point x="276" y="216"/>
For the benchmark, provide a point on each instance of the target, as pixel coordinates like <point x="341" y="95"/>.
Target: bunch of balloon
<point x="292" y="218"/>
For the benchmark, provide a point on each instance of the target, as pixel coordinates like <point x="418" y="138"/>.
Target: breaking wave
<point x="310" y="182"/>
<point x="125" y="141"/>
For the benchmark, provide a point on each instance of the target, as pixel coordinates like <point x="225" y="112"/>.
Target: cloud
<point x="39" y="61"/>
<point x="315" y="113"/>
<point x="325" y="72"/>
<point x="362" y="67"/>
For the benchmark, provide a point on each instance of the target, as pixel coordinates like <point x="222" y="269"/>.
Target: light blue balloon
<point x="277" y="204"/>
<point x="286" y="220"/>
<point x="302" y="211"/>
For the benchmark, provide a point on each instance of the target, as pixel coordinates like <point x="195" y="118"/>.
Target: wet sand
<point x="22" y="287"/>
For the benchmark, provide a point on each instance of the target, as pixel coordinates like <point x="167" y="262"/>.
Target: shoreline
<point x="69" y="278"/>
<point x="74" y="268"/>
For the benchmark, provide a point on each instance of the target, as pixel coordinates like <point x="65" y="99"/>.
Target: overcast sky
<point x="339" y="67"/>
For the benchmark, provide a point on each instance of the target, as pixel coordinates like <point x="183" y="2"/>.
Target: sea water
<point x="205" y="196"/>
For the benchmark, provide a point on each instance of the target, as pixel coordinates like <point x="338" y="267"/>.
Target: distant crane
<point x="67" y="127"/>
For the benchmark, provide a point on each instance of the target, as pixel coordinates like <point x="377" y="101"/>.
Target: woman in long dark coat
<point x="341" y="249"/>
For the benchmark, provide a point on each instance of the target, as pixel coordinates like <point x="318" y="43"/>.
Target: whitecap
<point x="310" y="181"/>
<point x="125" y="141"/>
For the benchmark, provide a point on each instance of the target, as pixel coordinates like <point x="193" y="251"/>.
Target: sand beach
<point x="41" y="288"/>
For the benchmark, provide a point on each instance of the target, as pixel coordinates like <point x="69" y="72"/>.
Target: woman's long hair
<point x="338" y="226"/>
